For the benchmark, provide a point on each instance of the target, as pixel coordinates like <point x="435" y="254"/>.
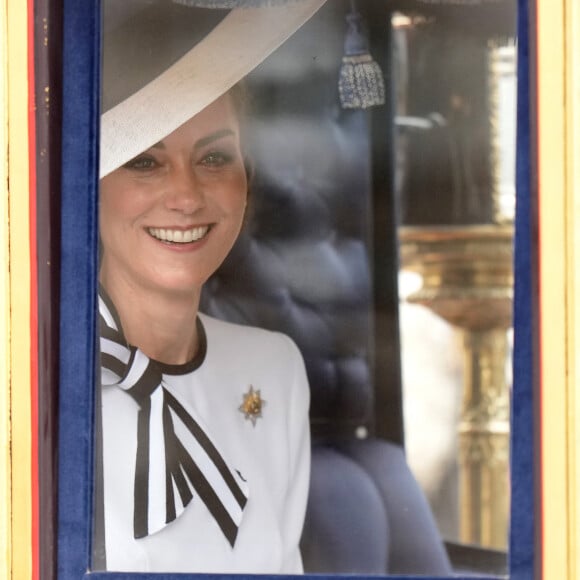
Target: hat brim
<point x="239" y="43"/>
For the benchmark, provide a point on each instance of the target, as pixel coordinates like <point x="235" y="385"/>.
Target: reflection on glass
<point x="503" y="87"/>
<point x="456" y="187"/>
<point x="244" y="192"/>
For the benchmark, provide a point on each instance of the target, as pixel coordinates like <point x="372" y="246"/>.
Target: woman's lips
<point x="179" y="236"/>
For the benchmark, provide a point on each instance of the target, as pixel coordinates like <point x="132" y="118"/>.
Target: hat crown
<point x="188" y="54"/>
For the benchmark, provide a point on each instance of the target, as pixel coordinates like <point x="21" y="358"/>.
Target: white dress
<point x="273" y="456"/>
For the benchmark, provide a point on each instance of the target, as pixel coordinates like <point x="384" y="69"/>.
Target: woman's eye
<point x="141" y="163"/>
<point x="217" y="159"/>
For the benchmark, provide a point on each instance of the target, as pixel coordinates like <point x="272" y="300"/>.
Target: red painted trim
<point x="33" y="298"/>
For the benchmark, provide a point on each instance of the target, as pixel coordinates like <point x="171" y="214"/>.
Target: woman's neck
<point x="161" y="324"/>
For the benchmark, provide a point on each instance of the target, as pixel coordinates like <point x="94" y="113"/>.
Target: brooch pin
<point x="252" y="405"/>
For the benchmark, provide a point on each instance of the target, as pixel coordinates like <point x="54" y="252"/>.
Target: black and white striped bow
<point x="175" y="457"/>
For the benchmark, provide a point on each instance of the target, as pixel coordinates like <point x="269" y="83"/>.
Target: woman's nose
<point x="185" y="193"/>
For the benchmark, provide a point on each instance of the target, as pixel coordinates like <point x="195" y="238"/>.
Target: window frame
<point x="78" y="345"/>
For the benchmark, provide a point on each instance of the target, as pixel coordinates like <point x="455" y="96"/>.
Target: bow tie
<point x="175" y="456"/>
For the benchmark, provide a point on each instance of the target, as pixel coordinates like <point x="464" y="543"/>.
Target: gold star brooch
<point x="252" y="405"/>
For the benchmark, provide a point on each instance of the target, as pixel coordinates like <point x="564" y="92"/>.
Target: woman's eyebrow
<point x="213" y="137"/>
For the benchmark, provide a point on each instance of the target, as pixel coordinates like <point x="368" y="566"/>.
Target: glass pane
<point x="455" y="176"/>
<point x="245" y="189"/>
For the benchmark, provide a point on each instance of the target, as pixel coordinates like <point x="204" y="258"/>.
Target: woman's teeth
<point x="179" y="236"/>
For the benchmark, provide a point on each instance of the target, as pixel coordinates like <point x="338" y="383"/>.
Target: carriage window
<point x="268" y="400"/>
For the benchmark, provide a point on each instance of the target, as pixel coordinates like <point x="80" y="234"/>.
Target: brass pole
<point x="484" y="440"/>
<point x="468" y="280"/>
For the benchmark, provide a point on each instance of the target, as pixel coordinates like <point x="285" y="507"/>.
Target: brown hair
<point x="241" y="100"/>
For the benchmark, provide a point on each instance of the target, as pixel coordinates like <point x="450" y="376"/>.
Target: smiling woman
<point x="190" y="475"/>
<point x="169" y="217"/>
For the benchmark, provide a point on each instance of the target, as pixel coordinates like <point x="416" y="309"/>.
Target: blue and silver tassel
<point x="360" y="83"/>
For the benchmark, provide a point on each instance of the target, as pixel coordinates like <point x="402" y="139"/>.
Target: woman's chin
<point x="177" y="285"/>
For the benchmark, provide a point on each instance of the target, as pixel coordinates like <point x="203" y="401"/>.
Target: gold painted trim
<point x="19" y="260"/>
<point x="5" y="472"/>
<point x="559" y="215"/>
<point x="572" y="123"/>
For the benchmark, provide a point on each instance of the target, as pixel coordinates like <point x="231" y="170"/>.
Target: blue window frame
<point x="78" y="347"/>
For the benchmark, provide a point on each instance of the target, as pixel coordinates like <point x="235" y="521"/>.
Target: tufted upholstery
<point x="303" y="265"/>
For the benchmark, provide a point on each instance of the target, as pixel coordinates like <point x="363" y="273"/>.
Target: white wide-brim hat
<point x="166" y="60"/>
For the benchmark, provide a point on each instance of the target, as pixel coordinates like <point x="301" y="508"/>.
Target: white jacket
<point x="273" y="456"/>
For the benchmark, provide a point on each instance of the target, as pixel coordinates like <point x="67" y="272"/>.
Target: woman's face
<point x="171" y="215"/>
